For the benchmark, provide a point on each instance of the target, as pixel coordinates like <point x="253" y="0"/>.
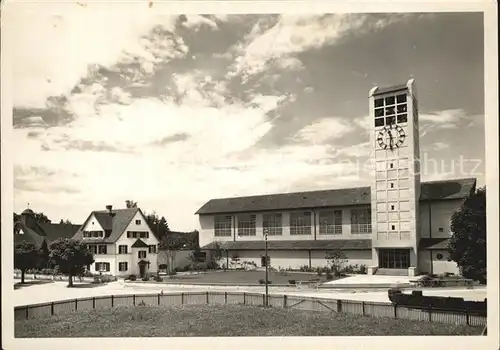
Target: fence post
<point x="27" y="312"/>
<point x="285" y="301"/>
<point x="467" y="316"/>
<point x="52" y="309"/>
<point x="182" y="298"/>
<point x="93" y="303"/>
<point x="133" y="297"/>
<point x="264" y="300"/>
<point x="363" y="307"/>
<point x="395" y="310"/>
<point x="430" y="313"/>
<point x="339" y="305"/>
<point x="76" y="304"/>
<point x="158" y="298"/>
<point x="207" y="298"/>
<point x="112" y="300"/>
<point x="225" y="297"/>
<point x="244" y="298"/>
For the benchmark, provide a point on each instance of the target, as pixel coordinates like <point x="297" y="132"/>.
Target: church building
<point x="398" y="225"/>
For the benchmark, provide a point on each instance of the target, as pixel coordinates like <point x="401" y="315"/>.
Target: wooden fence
<point x="374" y="309"/>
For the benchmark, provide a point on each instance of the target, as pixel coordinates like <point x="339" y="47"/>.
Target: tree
<point x="215" y="256"/>
<point x="26" y="256"/>
<point x="70" y="256"/>
<point x="42" y="219"/>
<point x="171" y="244"/>
<point x="65" y="222"/>
<point x="158" y="225"/>
<point x="467" y="246"/>
<point x="130" y="204"/>
<point x="336" y="259"/>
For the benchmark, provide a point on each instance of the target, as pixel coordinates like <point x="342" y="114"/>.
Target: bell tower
<point x="395" y="189"/>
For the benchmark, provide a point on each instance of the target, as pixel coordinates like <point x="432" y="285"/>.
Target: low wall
<point x="376" y="309"/>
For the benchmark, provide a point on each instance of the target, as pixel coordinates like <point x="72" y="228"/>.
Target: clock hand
<point x="391" y="140"/>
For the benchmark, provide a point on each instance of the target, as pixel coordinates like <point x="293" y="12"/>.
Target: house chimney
<point x="109" y="209"/>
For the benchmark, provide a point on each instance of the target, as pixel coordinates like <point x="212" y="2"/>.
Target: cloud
<point x="65" y="46"/>
<point x="195" y="22"/>
<point x="322" y="131"/>
<point x="293" y="34"/>
<point x="438" y="146"/>
<point x="446" y="119"/>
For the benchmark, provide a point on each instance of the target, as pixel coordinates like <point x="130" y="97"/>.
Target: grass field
<point x="229" y="320"/>
<point x="242" y="277"/>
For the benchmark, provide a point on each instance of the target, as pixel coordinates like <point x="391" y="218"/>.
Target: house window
<point x="246" y="225"/>
<point x="102" y="249"/>
<point x="361" y="221"/>
<point x="152" y="249"/>
<point x="439" y="256"/>
<point x="122" y="266"/>
<point x="144" y="234"/>
<point x="137" y="222"/>
<point x="300" y="223"/>
<point x="135" y="234"/>
<point x="440" y="229"/>
<point x="129" y="234"/>
<point x="393" y="227"/>
<point x="273" y="224"/>
<point x="141" y="254"/>
<point x="102" y="266"/>
<point x="95" y="234"/>
<point x="122" y="249"/>
<point x="330" y="222"/>
<point x="86" y="234"/>
<point x="92" y="248"/>
<point x="392" y="207"/>
<point x="222" y="226"/>
<point x="391" y="165"/>
<point x="392" y="185"/>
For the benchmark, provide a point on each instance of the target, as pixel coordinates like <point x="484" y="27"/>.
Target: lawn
<point x="228" y="320"/>
<point x="242" y="277"/>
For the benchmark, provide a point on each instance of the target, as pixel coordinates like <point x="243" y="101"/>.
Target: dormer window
<point x="137" y="222"/>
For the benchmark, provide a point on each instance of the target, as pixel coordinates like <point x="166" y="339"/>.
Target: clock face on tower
<point x="391" y="136"/>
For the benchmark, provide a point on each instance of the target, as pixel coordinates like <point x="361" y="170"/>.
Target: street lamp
<point x="267" y="268"/>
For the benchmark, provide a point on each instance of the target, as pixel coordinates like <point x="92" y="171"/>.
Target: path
<point x="58" y="291"/>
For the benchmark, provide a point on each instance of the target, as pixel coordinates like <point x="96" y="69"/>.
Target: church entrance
<point x="394" y="258"/>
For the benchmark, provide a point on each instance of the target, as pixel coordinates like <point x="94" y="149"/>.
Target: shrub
<point x="145" y="278"/>
<point x="132" y="277"/>
<point x="319" y="273"/>
<point x="304" y="268"/>
<point x="107" y="278"/>
<point x="291" y="281"/>
<point x="363" y="269"/>
<point x="263" y="281"/>
<point x="158" y="279"/>
<point x="329" y="276"/>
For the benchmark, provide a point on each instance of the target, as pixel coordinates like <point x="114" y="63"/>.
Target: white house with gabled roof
<point x="122" y="242"/>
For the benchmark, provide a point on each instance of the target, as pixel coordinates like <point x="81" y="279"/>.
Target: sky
<point x="171" y="111"/>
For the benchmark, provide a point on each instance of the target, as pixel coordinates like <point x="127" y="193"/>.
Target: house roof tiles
<point x="139" y="244"/>
<point x="115" y="222"/>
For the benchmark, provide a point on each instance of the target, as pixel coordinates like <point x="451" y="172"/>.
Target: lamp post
<point x="267" y="268"/>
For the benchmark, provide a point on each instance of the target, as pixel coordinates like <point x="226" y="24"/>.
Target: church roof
<point x="430" y="191"/>
<point x="323" y="244"/>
